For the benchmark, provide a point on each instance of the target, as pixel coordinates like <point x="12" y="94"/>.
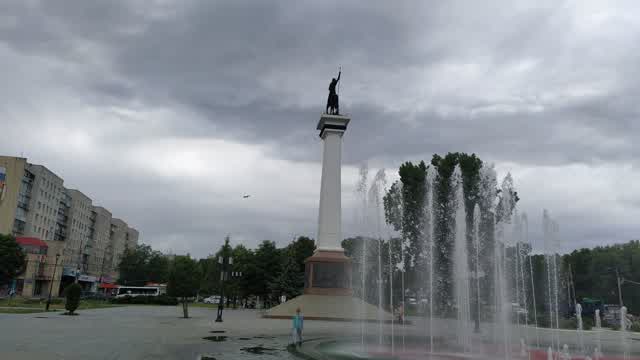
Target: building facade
<point x="39" y="273"/>
<point x="35" y="204"/>
<point x="101" y="249"/>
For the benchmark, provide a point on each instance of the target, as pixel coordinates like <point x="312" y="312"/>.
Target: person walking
<point x="298" y="325"/>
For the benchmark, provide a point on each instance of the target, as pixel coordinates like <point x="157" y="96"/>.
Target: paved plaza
<point x="158" y="332"/>
<point x="148" y="332"/>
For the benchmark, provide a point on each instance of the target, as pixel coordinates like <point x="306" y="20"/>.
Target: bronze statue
<point x="333" y="108"/>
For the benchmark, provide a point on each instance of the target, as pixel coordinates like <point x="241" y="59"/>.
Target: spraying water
<point x="429" y="204"/>
<point x="361" y="189"/>
<point x="624" y="336"/>
<point x="477" y="275"/>
<point x="579" y="327"/>
<point x="461" y="266"/>
<point x="597" y="353"/>
<point x="525" y="229"/>
<point x="374" y="201"/>
<point x="391" y="266"/>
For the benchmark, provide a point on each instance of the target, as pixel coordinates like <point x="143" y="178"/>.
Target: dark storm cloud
<point x="529" y="83"/>
<point x="260" y="70"/>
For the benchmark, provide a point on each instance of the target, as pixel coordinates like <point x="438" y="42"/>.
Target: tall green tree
<point x="267" y="267"/>
<point x="184" y="280"/>
<point x="290" y="281"/>
<point x="12" y="259"/>
<point x="133" y="265"/>
<point x="142" y="264"/>
<point x="157" y="267"/>
<point x="300" y="249"/>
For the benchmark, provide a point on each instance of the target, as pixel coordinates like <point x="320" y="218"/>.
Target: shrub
<point x="72" y="294"/>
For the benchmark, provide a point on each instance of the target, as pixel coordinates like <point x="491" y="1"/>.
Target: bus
<point x="134" y="291"/>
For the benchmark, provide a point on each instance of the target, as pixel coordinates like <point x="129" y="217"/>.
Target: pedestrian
<point x="401" y="313"/>
<point x="298" y="325"/>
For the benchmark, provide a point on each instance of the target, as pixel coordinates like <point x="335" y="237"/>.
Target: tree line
<point x="268" y="272"/>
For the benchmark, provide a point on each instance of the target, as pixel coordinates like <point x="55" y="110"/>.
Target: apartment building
<point x="118" y="240"/>
<point x="34" y="204"/>
<point x="101" y="248"/>
<point x="79" y="241"/>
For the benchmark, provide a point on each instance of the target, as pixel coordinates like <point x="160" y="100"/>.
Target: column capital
<point x="333" y="123"/>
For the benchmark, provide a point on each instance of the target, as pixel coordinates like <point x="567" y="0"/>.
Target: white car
<point x="211" y="300"/>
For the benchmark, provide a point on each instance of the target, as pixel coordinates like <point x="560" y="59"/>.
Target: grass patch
<point x="20" y="311"/>
<point x="56" y="304"/>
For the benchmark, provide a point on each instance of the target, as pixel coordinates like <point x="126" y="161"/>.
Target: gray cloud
<point x="533" y="84"/>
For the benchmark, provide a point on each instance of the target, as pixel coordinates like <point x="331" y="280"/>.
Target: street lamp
<point x="223" y="263"/>
<point x="53" y="279"/>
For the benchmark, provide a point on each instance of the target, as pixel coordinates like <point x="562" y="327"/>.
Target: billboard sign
<point x="3" y="182"/>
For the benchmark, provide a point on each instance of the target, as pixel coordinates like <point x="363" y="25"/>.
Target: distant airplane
<point x="246" y="196"/>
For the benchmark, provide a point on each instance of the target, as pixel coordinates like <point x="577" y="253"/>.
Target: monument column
<point x="331" y="127"/>
<point x="328" y="271"/>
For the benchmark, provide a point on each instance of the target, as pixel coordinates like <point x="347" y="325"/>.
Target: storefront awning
<point x="108" y="286"/>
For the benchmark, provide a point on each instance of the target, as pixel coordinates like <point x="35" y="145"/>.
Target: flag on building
<point x="3" y="182"/>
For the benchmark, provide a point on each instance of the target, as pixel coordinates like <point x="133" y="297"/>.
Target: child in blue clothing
<point x="298" y="325"/>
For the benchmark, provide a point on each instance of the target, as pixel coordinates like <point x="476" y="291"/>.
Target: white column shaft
<point x="330" y="216"/>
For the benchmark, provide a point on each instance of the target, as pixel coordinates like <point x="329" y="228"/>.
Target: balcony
<point x="23" y="205"/>
<point x="18" y="227"/>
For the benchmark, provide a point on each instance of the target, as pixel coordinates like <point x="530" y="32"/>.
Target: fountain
<point x="472" y="252"/>
<point x="580" y="327"/>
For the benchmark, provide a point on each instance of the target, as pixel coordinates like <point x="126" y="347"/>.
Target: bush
<point x="72" y="294"/>
<point x="146" y="300"/>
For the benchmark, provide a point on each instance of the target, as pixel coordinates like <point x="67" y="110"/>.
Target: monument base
<point x="329" y="308"/>
<point x="328" y="272"/>
<point x="327" y="293"/>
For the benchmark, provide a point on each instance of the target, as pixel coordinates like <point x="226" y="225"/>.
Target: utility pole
<point x="619" y="288"/>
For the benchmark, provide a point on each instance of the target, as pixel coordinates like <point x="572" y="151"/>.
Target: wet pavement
<point x="143" y="332"/>
<point x="159" y="333"/>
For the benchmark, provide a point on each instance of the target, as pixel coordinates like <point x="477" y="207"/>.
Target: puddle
<point x="264" y="337"/>
<point x="217" y="331"/>
<point x="215" y="338"/>
<point x="244" y="338"/>
<point x="258" y="350"/>
<point x="206" y="357"/>
<point x="41" y="317"/>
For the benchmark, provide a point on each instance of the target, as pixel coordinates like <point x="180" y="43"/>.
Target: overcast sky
<point x="168" y="112"/>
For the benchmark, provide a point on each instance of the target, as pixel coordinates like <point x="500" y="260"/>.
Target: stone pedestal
<point x="328" y="273"/>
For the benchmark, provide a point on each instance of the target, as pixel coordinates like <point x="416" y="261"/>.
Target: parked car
<point x="215" y="299"/>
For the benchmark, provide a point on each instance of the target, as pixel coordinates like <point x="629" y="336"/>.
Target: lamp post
<point x="53" y="279"/>
<point x="223" y="275"/>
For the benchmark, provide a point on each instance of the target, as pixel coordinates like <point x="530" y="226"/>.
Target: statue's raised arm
<point x="333" y="107"/>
